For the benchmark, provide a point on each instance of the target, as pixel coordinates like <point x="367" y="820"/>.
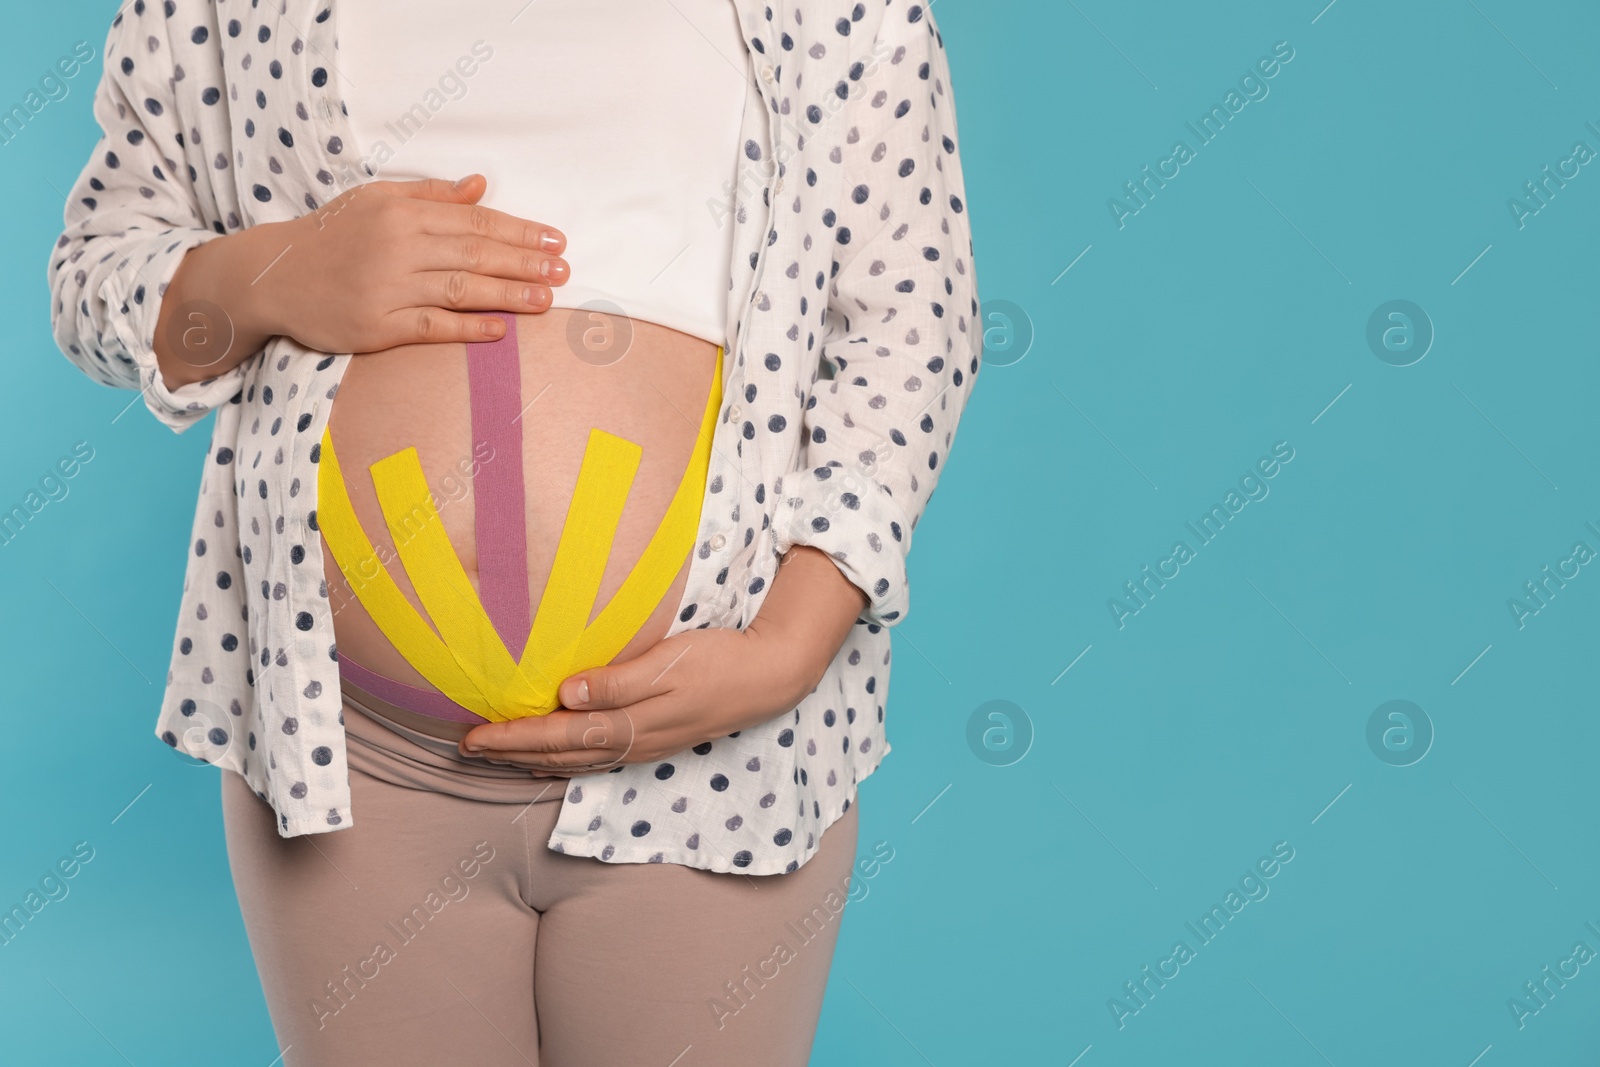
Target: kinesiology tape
<point x="467" y="652"/>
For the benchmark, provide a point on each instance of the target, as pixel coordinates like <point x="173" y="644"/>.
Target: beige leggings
<point x="439" y="929"/>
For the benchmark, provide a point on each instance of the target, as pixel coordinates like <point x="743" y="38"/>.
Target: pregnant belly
<point x="417" y="396"/>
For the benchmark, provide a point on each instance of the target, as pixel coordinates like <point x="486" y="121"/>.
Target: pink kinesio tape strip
<point x="494" y="376"/>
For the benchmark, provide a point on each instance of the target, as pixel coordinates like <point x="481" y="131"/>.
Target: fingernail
<point x="527" y="295"/>
<point x="549" y="241"/>
<point x="489" y="327"/>
<point x="583" y="691"/>
<point x="474" y="749"/>
<point x="553" y="270"/>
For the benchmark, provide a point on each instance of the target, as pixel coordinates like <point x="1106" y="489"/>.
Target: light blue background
<point x="1227" y="715"/>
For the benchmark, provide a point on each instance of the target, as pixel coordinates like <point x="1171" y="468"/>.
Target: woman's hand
<point x="694" y="686"/>
<point x="392" y="263"/>
<point x="386" y="263"/>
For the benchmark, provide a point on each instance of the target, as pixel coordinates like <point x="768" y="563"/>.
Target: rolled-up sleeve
<point x="133" y="214"/>
<point x="902" y="337"/>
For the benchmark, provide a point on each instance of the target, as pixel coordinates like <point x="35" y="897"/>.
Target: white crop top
<point x="551" y="107"/>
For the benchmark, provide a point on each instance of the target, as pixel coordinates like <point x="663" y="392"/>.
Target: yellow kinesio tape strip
<point x="466" y="660"/>
<point x="382" y="598"/>
<point x="443" y="587"/>
<point x="609" y="466"/>
<point x="658" y="565"/>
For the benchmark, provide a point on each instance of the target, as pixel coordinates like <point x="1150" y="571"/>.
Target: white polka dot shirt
<point x="855" y="344"/>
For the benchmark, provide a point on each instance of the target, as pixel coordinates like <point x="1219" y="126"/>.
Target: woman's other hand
<point x="695" y="686"/>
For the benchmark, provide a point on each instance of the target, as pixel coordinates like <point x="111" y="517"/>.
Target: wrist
<point x="245" y="274"/>
<point x="808" y="611"/>
<point x="214" y="314"/>
<point x="786" y="665"/>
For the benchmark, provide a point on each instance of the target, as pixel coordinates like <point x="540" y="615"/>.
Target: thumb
<point x="466" y="191"/>
<point x="617" y="685"/>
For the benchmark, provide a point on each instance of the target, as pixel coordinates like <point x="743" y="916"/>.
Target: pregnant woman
<point x="555" y="517"/>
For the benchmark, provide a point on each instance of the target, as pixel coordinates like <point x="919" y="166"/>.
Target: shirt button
<point x="717" y="541"/>
<point x="734" y="413"/>
<point x="766" y="72"/>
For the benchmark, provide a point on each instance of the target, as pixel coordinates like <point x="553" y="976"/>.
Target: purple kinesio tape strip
<point x="401" y="695"/>
<point x="494" y="375"/>
<point x="494" y="382"/>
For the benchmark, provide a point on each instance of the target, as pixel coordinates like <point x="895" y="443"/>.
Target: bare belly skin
<point x="416" y="396"/>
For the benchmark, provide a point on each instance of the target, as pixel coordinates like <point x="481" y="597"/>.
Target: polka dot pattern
<point x="853" y="313"/>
